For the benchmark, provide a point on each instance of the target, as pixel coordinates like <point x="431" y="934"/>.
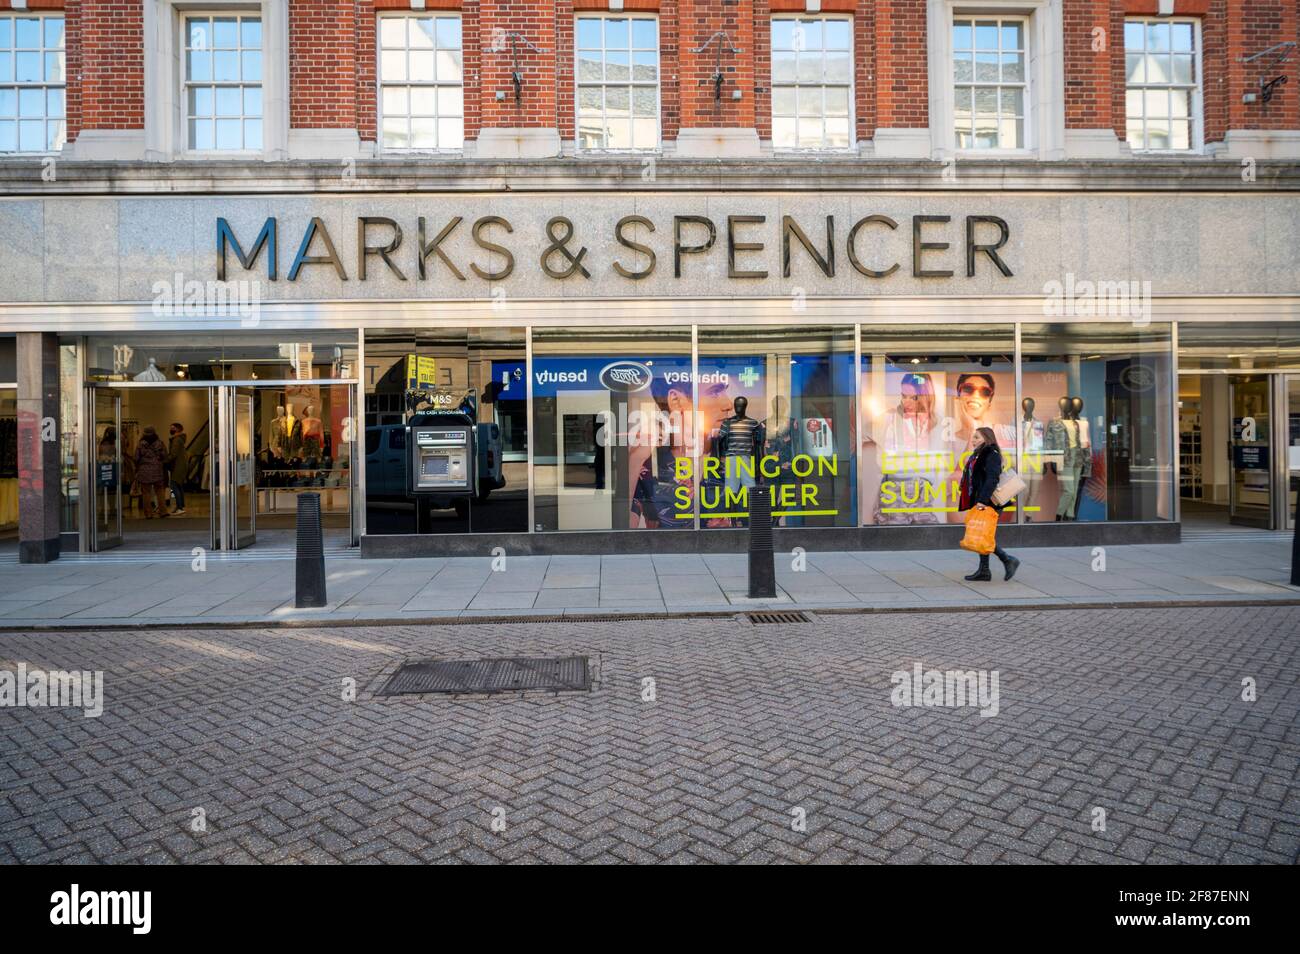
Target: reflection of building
<point x="654" y="249"/>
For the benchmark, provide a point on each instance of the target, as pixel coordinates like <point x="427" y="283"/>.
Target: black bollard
<point x="310" y="588"/>
<point x="1295" y="544"/>
<point x="762" y="559"/>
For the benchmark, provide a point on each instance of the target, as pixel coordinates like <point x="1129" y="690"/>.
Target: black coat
<point x="980" y="481"/>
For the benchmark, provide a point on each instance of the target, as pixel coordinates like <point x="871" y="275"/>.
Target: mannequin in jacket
<point x="979" y="479"/>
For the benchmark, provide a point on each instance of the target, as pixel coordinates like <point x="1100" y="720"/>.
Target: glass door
<point x="243" y="486"/>
<point x="236" y="464"/>
<point x="1292" y="424"/>
<point x="106" y="452"/>
<point x="1250" y="492"/>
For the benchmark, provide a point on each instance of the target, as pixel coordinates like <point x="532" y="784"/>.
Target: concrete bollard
<point x="1295" y="545"/>
<point x="310" y="584"/>
<point x="762" y="559"/>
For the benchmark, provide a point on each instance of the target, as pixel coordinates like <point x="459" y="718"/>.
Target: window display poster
<point x="917" y="431"/>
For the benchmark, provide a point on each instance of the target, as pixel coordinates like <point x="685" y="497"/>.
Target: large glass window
<point x="422" y="85"/>
<point x="223" y="83"/>
<point x="1095" y="421"/>
<point x="229" y="356"/>
<point x="1163" y="83"/>
<point x="618" y="82"/>
<point x="32" y="84"/>
<point x="613" y="429"/>
<point x="1237" y="346"/>
<point x="776" y="407"/>
<point x="8" y="462"/>
<point x="812" y="82"/>
<point x="924" y="391"/>
<point x="990" y="88"/>
<point x="413" y="377"/>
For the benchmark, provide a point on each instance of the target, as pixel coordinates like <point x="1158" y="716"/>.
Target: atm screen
<point x="434" y="466"/>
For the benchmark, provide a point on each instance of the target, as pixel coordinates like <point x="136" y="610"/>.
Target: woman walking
<point x="150" y="472"/>
<point x="979" y="479"/>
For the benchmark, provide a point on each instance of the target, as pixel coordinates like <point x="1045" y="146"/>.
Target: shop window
<point x="8" y="462"/>
<point x="422" y="84"/>
<point x="617" y="82"/>
<point x="278" y="356"/>
<point x="924" y="391"/>
<point x="812" y="83"/>
<point x="1163" y="84"/>
<point x="777" y="404"/>
<point x="613" y="429"/>
<point x="477" y="373"/>
<point x="1238" y="346"/>
<point x="1095" y="422"/>
<point x="223" y="83"/>
<point x="32" y="84"/>
<point x="990" y="82"/>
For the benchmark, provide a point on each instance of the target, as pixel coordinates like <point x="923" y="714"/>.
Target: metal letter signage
<point x="563" y="254"/>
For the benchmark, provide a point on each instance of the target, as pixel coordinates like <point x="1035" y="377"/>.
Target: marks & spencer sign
<point x="867" y="248"/>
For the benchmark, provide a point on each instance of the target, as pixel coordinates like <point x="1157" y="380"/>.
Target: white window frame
<point x="14" y="15"/>
<point x="1026" y="85"/>
<point x="1196" y="109"/>
<point x="1044" y="76"/>
<point x="184" y="48"/>
<point x="578" y="83"/>
<point x="853" y="118"/>
<point x="379" y="82"/>
<point x="166" y="135"/>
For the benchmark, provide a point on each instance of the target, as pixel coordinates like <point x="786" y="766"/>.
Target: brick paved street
<point x="1138" y="712"/>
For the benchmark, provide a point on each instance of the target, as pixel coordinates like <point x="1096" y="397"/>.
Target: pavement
<point x="172" y="588"/>
<point x="1120" y="736"/>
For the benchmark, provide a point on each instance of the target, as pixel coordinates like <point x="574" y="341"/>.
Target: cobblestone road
<point x="1136" y="712"/>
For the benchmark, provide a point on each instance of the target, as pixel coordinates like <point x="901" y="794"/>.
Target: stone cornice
<point x="23" y="177"/>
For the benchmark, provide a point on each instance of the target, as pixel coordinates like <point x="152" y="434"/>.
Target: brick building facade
<point x="331" y="65"/>
<point x="591" y="227"/>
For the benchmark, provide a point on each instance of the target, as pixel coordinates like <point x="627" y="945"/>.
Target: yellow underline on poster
<point x="940" y="509"/>
<point x="775" y="513"/>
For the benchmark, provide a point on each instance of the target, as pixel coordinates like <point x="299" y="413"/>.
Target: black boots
<point x="982" y="575"/>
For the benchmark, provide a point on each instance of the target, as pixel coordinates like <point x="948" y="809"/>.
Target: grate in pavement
<point x="758" y="618"/>
<point x="503" y="674"/>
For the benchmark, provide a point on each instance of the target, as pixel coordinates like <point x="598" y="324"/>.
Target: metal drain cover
<point x="504" y="674"/>
<point x="758" y="618"/>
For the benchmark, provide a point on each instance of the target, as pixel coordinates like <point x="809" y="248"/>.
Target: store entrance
<point x="1231" y="470"/>
<point x="217" y="466"/>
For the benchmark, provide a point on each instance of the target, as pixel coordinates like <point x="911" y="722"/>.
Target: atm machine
<point x="441" y="462"/>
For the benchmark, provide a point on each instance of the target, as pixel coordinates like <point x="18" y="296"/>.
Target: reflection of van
<point x="386" y="463"/>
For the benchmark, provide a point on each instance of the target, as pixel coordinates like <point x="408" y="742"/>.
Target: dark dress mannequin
<point x="740" y="438"/>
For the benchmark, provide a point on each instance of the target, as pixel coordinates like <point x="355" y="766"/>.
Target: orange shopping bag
<point x="981" y="529"/>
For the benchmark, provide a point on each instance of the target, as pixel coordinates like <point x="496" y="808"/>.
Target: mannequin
<point x="311" y="433"/>
<point x="741" y="439"/>
<point x="278" y="434"/>
<point x="292" y="432"/>
<point x="151" y="373"/>
<point x="1063" y="437"/>
<point x="1032" y="437"/>
<point x="1085" y="449"/>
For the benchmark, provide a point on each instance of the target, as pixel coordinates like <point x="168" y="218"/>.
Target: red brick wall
<point x="1088" y="91"/>
<point x="697" y="21"/>
<point x="110" y="40"/>
<point x="323" y="64"/>
<point x="535" y="21"/>
<point x="902" y="84"/>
